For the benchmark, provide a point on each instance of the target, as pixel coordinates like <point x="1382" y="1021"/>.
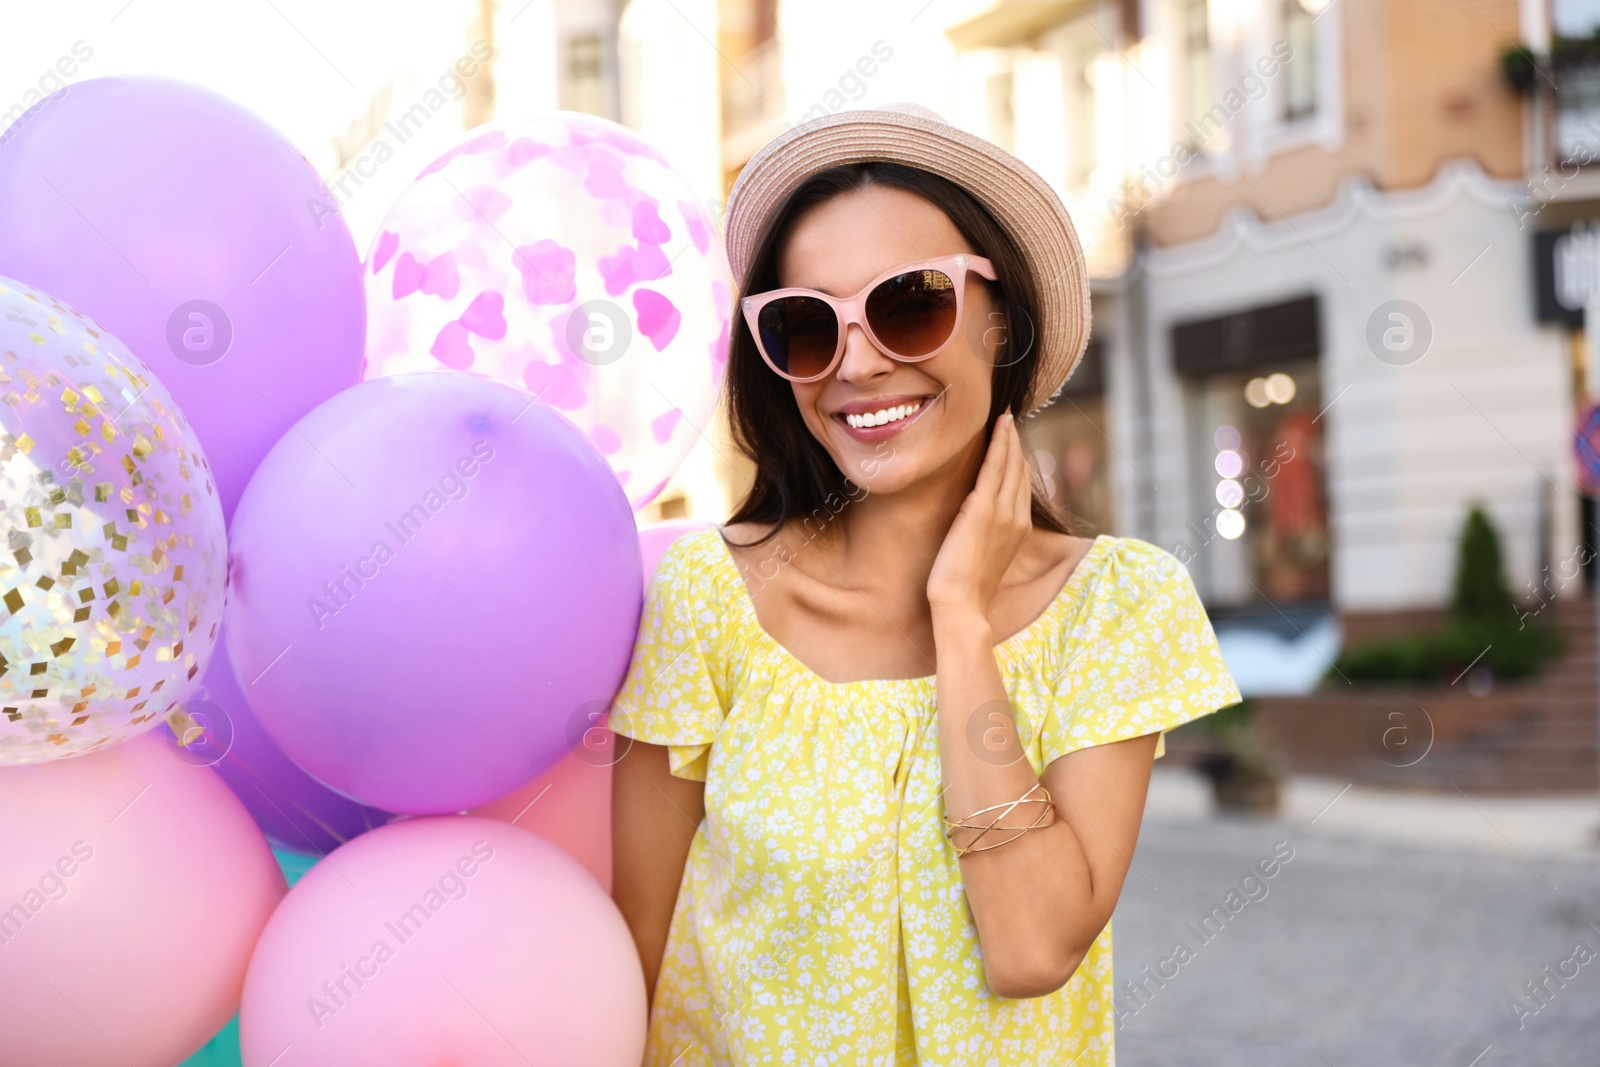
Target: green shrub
<point x="1520" y="67"/>
<point x="1484" y="628"/>
<point x="1481" y="593"/>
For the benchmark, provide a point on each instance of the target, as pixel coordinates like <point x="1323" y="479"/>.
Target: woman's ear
<point x="1012" y="344"/>
<point x="989" y="332"/>
<point x="997" y="338"/>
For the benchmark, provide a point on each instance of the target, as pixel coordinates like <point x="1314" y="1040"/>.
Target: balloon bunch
<point x="311" y="556"/>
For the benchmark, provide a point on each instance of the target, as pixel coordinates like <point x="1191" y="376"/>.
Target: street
<point x="1362" y="950"/>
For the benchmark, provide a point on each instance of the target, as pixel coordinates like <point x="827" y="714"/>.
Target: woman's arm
<point x="1040" y="901"/>
<point x="654" y="817"/>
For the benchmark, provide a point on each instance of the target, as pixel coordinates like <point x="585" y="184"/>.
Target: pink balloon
<point x="134" y="887"/>
<point x="569" y="805"/>
<point x="446" y="940"/>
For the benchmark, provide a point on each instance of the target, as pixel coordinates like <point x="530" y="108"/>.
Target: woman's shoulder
<point x="1130" y="571"/>
<point x="1137" y="554"/>
<point x="1122" y="557"/>
<point x="1144" y="581"/>
<point x="692" y="560"/>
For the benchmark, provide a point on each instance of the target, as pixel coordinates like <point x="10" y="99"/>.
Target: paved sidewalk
<point x="1562" y="825"/>
<point x="1402" y="929"/>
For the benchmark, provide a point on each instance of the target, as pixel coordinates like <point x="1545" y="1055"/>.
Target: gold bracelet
<point x="1046" y="818"/>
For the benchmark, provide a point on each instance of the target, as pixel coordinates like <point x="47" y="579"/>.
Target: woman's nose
<point x="862" y="361"/>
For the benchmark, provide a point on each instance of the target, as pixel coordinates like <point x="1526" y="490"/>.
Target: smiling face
<point x="890" y="425"/>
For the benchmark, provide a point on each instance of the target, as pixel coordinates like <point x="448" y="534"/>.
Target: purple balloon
<point x="293" y="809"/>
<point x="430" y="579"/>
<point x="201" y="238"/>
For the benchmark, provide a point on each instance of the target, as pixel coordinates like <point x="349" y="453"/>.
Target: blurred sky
<point x="309" y="67"/>
<point x="1576" y="17"/>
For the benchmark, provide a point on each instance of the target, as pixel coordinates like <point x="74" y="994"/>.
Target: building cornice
<point x="1357" y="199"/>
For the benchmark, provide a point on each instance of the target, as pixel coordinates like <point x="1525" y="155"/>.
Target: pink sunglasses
<point x="909" y="313"/>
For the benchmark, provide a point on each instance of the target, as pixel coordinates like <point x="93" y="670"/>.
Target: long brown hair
<point x="794" y="474"/>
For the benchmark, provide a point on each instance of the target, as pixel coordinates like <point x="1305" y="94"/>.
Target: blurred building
<point x="1314" y="300"/>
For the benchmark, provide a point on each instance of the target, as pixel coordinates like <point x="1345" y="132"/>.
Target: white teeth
<point x="886" y="415"/>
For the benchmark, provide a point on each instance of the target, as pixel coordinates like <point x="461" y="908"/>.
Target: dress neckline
<point x="1004" y="649"/>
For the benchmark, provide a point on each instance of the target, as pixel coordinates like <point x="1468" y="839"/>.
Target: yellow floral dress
<point x="821" y="918"/>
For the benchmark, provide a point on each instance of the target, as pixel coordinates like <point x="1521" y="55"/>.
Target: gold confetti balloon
<point x="114" y="562"/>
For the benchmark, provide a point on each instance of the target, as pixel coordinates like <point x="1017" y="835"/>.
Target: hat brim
<point x="1019" y="199"/>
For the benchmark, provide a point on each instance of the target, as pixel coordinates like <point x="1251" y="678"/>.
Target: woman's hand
<point x="993" y="522"/>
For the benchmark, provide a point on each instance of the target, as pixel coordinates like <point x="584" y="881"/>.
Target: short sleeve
<point x="673" y="693"/>
<point x="1141" y="658"/>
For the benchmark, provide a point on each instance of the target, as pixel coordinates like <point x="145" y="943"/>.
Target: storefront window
<point x="1261" y="485"/>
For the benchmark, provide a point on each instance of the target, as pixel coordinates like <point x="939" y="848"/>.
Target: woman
<point x="893" y="724"/>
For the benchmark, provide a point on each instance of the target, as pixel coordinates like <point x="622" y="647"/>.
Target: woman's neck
<point x="888" y="541"/>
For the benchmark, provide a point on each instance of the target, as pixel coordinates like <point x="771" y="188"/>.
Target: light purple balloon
<point x="202" y="239"/>
<point x="431" y="577"/>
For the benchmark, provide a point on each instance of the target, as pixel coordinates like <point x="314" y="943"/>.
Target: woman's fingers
<point x="1024" y="497"/>
<point x="1015" y="470"/>
<point x="1004" y="488"/>
<point x="992" y="473"/>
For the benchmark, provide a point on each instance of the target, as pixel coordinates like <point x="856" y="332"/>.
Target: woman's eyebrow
<point x="832" y="292"/>
<point x="813" y="288"/>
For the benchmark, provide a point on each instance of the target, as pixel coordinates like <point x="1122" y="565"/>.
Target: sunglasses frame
<point x="852" y="310"/>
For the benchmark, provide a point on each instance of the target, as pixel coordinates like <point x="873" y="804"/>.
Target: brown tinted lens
<point x="800" y="334"/>
<point x="913" y="314"/>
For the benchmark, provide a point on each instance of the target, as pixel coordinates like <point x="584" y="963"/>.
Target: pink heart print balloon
<point x="563" y="256"/>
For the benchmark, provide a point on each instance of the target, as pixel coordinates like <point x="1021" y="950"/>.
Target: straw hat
<point x="1018" y="198"/>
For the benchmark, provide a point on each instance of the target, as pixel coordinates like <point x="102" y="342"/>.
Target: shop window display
<point x="1263" y="485"/>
